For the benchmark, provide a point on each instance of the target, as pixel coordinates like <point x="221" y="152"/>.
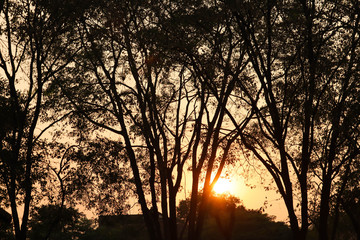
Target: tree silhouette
<point x="304" y="59"/>
<point x="71" y="224"/>
<point x="166" y="113"/>
<point x="33" y="51"/>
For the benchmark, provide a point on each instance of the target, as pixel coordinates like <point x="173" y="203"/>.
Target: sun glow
<point x="223" y="185"/>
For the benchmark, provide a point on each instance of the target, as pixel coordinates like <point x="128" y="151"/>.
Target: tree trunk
<point x="299" y="235"/>
<point x="172" y="212"/>
<point x="193" y="207"/>
<point x="21" y="235"/>
<point x="324" y="209"/>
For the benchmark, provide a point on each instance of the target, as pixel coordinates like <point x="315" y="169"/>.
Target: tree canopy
<point x="102" y="101"/>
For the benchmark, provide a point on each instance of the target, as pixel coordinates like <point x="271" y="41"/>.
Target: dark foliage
<point x="54" y="223"/>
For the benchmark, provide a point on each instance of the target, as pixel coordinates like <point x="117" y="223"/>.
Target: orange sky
<point x="252" y="198"/>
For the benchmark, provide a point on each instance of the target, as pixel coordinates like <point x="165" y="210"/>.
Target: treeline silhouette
<point x="245" y="224"/>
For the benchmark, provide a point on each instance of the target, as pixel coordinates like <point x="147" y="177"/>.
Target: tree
<point x="36" y="45"/>
<point x="71" y="225"/>
<point x="347" y="205"/>
<point x="304" y="65"/>
<point x="128" y="82"/>
<point x="209" y="50"/>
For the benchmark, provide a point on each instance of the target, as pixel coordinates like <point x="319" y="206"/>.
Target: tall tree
<point x="36" y="45"/>
<point x="210" y="51"/>
<point x="136" y="80"/>
<point x="304" y="62"/>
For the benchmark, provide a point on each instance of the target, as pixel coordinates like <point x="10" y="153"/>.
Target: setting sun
<point x="223" y="185"/>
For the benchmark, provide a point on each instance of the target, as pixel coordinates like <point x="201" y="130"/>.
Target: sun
<point x="223" y="185"/>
